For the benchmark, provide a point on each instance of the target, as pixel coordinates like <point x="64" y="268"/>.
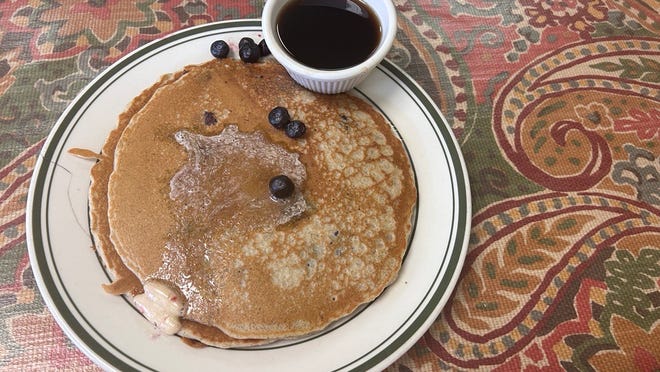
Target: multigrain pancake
<point x="179" y="199"/>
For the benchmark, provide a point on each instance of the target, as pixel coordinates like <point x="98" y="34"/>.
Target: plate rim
<point x="457" y="245"/>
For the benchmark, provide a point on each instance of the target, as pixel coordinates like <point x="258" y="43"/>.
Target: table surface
<point x="555" y="104"/>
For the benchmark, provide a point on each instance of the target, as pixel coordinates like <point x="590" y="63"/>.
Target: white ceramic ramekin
<point x="329" y="81"/>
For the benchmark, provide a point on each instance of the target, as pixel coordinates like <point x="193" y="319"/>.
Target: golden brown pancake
<point x="182" y="199"/>
<point x="125" y="281"/>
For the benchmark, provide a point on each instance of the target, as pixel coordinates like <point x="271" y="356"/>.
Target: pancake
<point x="125" y="281"/>
<point x="183" y="200"/>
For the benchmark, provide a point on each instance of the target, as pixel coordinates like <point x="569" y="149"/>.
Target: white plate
<point x="115" y="336"/>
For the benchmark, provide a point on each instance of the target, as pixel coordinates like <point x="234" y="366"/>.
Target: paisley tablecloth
<point x="555" y="104"/>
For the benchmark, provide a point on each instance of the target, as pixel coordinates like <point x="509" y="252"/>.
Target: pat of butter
<point x="161" y="305"/>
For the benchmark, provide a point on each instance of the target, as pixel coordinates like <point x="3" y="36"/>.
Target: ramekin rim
<point x="282" y="56"/>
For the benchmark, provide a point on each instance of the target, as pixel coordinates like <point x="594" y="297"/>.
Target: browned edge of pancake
<point x="212" y="336"/>
<point x="124" y="280"/>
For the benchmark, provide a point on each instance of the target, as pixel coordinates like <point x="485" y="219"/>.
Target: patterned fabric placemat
<point x="556" y="106"/>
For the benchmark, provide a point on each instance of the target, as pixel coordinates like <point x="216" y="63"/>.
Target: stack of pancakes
<point x="180" y="195"/>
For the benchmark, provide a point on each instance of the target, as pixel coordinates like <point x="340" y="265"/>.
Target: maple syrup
<point x="328" y="34"/>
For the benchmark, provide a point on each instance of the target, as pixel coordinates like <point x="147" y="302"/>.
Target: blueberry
<point x="263" y="48"/>
<point x="279" y="117"/>
<point x="249" y="53"/>
<point x="281" y="186"/>
<point x="209" y="118"/>
<point x="219" y="49"/>
<point x="246" y="41"/>
<point x="295" y="129"/>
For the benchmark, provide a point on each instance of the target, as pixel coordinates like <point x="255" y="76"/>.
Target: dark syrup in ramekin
<point x="328" y="34"/>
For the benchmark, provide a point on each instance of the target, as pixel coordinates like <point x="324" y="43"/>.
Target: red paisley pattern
<point x="556" y="106"/>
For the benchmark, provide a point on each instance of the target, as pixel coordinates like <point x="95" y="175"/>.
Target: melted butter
<point x="220" y="197"/>
<point x="161" y="305"/>
<point x="225" y="182"/>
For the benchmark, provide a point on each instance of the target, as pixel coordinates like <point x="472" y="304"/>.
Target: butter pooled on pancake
<point x="224" y="181"/>
<point x="188" y="203"/>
